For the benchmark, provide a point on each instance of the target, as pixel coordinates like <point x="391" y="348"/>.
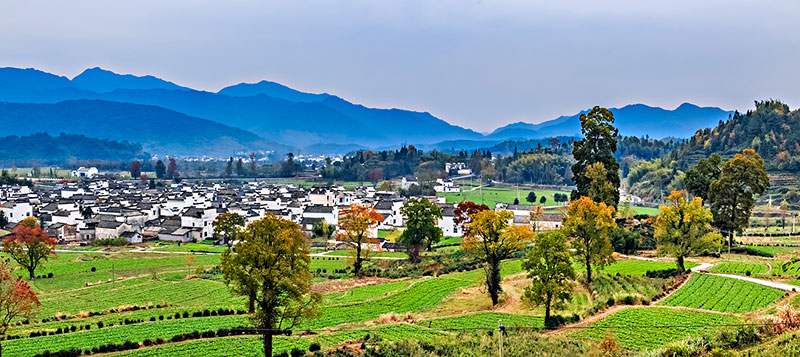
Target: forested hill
<point x="772" y="130"/>
<point x="45" y="149"/>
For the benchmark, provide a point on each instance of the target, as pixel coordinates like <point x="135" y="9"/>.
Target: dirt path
<point x="771" y="284"/>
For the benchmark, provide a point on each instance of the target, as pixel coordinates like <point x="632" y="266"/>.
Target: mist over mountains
<point x="167" y="118"/>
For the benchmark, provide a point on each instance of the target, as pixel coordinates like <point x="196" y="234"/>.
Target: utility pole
<point x="113" y="277"/>
<point x="501" y="330"/>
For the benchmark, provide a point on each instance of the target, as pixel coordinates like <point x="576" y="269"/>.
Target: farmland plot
<point x="722" y="294"/>
<point x="635" y="328"/>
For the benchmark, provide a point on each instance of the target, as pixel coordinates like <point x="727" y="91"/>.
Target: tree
<point x="143" y="179"/>
<point x="492" y="237"/>
<point x="421" y="229"/>
<point x="136" y="169"/>
<point x="29" y="245"/>
<point x="229" y="167"/>
<point x="152" y="184"/>
<point x="550" y="269"/>
<point x="17" y="299"/>
<point x="588" y="225"/>
<point x="161" y="170"/>
<point x="598" y="145"/>
<point x="172" y="169"/>
<point x="253" y="170"/>
<point x="699" y="178"/>
<point x="270" y="263"/>
<point x="86" y="212"/>
<point x="535" y="215"/>
<point x="227" y="227"/>
<point x="732" y="196"/>
<point x="323" y="229"/>
<point x="356" y="223"/>
<point x="463" y="213"/>
<point x="375" y="175"/>
<point x="683" y="228"/>
<point x="3" y="220"/>
<point x="543" y="200"/>
<point x="600" y="189"/>
<point x="240" y="167"/>
<point x="531" y="197"/>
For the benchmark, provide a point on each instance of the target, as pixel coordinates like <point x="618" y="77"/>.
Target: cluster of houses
<point x="78" y="212"/>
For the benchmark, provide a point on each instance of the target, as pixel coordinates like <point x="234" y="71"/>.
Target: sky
<point x="478" y="64"/>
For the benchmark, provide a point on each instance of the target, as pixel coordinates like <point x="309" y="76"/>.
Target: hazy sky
<point x="480" y="64"/>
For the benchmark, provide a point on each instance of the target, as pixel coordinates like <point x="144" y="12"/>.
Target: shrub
<point x="296" y="352"/>
<point x="314" y="347"/>
<point x="94" y="269"/>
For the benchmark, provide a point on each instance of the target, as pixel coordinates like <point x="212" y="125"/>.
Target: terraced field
<point x="483" y="320"/>
<point x="251" y="345"/>
<point x="740" y="268"/>
<point x="709" y="292"/>
<point x="633" y="267"/>
<point x="644" y="327"/>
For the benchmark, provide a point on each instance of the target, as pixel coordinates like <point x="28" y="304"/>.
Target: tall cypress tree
<point x="598" y="145"/>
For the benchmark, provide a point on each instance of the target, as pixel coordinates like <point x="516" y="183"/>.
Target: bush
<point x="663" y="274"/>
<point x="296" y="352"/>
<point x="314" y="347"/>
<point x="49" y="275"/>
<point x="94" y="269"/>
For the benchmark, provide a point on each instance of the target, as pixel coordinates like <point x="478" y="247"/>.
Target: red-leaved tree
<point x="29" y="245"/>
<point x="17" y="299"/>
<point x="463" y="212"/>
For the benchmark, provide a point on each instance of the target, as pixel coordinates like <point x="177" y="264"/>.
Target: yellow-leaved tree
<point x="270" y="263"/>
<point x="683" y="228"/>
<point x="492" y="237"/>
<point x="588" y="225"/>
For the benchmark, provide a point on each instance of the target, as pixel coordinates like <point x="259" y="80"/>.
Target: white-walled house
<point x="16" y="211"/>
<point x="447" y="222"/>
<point x="85" y="172"/>
<point x="200" y="218"/>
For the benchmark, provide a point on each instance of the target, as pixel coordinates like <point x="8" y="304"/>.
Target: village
<point x="96" y="208"/>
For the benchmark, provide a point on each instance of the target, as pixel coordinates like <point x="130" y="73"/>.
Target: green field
<point x="483" y="320"/>
<point x="632" y="267"/>
<point x="492" y="195"/>
<point x="709" y="292"/>
<point x="640" y="328"/>
<point x="740" y="268"/>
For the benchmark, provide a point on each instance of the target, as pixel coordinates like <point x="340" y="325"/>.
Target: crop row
<point x="722" y="294"/>
<point x="483" y="320"/>
<point x="119" y="334"/>
<point x="740" y="268"/>
<point x="641" y="328"/>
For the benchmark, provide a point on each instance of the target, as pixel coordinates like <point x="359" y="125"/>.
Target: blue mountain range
<point x="275" y="116"/>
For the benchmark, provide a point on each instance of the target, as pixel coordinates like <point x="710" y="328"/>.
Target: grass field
<point x="492" y="195"/>
<point x="637" y="328"/>
<point x="709" y="292"/>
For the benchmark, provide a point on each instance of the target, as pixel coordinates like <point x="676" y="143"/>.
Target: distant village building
<point x="85" y="172"/>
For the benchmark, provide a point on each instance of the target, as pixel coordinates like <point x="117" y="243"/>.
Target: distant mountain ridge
<point x="631" y="120"/>
<point x="277" y="114"/>
<point x="158" y="130"/>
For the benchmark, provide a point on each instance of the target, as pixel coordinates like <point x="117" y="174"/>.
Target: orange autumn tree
<point x="17" y="299"/>
<point x="356" y="223"/>
<point x="29" y="245"/>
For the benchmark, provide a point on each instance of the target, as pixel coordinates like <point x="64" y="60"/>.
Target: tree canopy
<point x="356" y="224"/>
<point x="549" y="266"/>
<point x="683" y="228"/>
<point x="732" y="197"/>
<point x="588" y="224"/>
<point x="29" y="245"/>
<point x="597" y="146"/>
<point x="493" y="237"/>
<point x="421" y="229"/>
<point x="270" y="263"/>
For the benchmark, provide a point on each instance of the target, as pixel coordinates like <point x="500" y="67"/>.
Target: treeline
<point x="56" y="150"/>
<point x="772" y="130"/>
